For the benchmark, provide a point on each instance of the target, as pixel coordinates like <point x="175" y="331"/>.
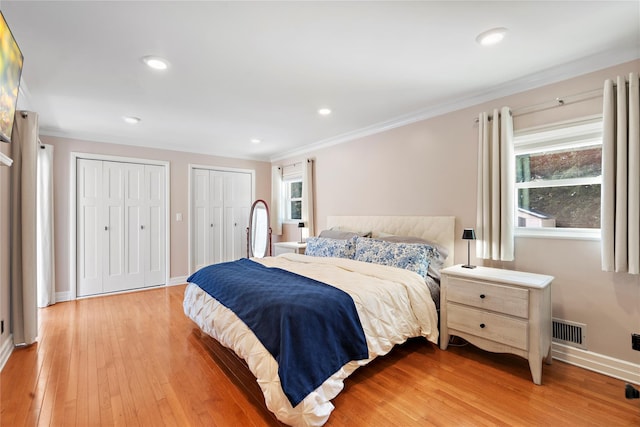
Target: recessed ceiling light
<point x="324" y="111"/>
<point x="132" y="120"/>
<point x="492" y="36"/>
<point x="255" y="141"/>
<point x="156" y="62"/>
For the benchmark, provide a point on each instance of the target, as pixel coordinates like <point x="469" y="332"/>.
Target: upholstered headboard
<point x="440" y="229"/>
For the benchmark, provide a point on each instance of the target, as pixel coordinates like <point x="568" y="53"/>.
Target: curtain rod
<point x="295" y="164"/>
<point x="557" y="102"/>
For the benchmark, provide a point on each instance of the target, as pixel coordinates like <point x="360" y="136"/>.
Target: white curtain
<point x="620" y="210"/>
<point x="276" y="201"/>
<point x="496" y="186"/>
<point x="24" y="145"/>
<point x="45" y="243"/>
<point x="307" y="196"/>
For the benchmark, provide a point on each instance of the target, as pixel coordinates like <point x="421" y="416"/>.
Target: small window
<point x="558" y="178"/>
<point x="293" y="199"/>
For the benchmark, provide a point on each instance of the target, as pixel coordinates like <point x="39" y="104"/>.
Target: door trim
<point x="190" y="169"/>
<point x="73" y="209"/>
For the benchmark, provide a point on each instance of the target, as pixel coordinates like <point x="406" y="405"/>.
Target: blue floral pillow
<point x="437" y="254"/>
<point x="401" y="255"/>
<point x="326" y="247"/>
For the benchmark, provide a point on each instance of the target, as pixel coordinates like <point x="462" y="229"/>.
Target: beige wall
<point x="179" y="162"/>
<point x="429" y="168"/>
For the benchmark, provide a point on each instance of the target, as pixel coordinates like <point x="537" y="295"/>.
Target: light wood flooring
<point x="135" y="360"/>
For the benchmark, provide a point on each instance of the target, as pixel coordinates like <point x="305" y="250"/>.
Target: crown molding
<point x="144" y="144"/>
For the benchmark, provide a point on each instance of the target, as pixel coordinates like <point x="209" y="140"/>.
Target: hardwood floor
<point x="135" y="359"/>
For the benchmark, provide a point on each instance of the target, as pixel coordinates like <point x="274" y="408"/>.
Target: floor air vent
<point x="570" y="333"/>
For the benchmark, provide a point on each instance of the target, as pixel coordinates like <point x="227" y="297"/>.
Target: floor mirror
<point x="259" y="231"/>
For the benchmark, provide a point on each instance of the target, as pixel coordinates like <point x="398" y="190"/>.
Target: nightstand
<point x="289" y="247"/>
<point x="497" y="310"/>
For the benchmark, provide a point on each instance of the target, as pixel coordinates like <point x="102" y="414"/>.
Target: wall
<point x="179" y="162"/>
<point x="429" y="168"/>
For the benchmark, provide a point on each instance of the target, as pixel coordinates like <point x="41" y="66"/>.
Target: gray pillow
<point x="343" y="234"/>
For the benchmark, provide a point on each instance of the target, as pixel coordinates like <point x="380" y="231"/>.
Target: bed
<point x="392" y="305"/>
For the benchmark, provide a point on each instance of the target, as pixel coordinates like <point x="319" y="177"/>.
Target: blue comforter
<point x="312" y="329"/>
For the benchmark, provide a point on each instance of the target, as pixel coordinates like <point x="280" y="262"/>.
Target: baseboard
<point x="63" y="296"/>
<point x="5" y="351"/>
<point x="616" y="368"/>
<point x="66" y="296"/>
<point x="180" y="280"/>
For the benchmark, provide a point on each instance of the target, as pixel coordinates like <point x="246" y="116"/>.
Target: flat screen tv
<point x="10" y="71"/>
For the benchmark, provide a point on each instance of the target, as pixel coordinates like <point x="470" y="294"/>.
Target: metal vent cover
<point x="570" y="333"/>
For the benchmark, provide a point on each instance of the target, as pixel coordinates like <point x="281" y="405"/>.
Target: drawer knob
<point x="482" y="296"/>
<point x="482" y="325"/>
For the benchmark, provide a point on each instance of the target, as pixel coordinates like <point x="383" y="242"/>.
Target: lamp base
<point x="468" y="266"/>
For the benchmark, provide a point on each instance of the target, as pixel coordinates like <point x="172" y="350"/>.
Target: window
<point x="293" y="199"/>
<point x="558" y="179"/>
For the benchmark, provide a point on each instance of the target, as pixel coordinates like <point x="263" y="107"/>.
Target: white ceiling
<point x="242" y="70"/>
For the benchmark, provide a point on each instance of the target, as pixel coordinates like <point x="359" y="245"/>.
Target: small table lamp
<point x="468" y="234"/>
<point x="301" y="226"/>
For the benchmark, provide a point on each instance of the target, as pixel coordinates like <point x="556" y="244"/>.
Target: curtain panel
<point x="620" y="216"/>
<point x="45" y="243"/>
<point x="308" y="196"/>
<point x="24" y="146"/>
<point x="496" y="186"/>
<point x="276" y="200"/>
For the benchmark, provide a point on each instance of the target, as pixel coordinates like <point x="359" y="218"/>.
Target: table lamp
<point x="468" y="234"/>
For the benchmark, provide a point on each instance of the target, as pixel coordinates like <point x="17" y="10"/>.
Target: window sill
<point x="559" y="233"/>
<point x="292" y="221"/>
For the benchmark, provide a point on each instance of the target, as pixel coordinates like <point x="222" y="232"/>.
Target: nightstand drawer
<point x="491" y="326"/>
<point x="502" y="299"/>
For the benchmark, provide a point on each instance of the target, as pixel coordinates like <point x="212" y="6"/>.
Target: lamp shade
<point x="468" y="234"/>
<point x="301" y="225"/>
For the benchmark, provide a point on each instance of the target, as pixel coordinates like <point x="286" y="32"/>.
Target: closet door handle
<point x="142" y="227"/>
<point x="105" y="228"/>
<point x="211" y="225"/>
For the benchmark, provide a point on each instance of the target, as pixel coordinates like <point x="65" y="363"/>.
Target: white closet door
<point x="135" y="236"/>
<point x="201" y="225"/>
<point x="90" y="227"/>
<point x="121" y="226"/>
<point x="237" y="203"/>
<point x="113" y="185"/>
<point x="221" y="202"/>
<point x="216" y="216"/>
<point x="154" y="226"/>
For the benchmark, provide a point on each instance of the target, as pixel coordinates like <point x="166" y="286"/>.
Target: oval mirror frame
<point x="259" y="231"/>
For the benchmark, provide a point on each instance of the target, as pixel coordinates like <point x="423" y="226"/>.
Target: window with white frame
<point x="558" y="178"/>
<point x="293" y="198"/>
